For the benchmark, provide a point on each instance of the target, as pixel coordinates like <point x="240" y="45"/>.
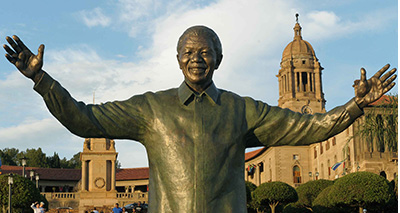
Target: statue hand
<point x="29" y="64"/>
<point x="368" y="91"/>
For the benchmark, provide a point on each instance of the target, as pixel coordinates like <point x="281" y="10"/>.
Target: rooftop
<point x="75" y="174"/>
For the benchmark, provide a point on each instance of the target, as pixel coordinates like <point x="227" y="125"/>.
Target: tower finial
<point x="297" y="18"/>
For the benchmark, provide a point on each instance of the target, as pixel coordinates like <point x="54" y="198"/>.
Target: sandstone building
<point x="98" y="184"/>
<point x="300" y="89"/>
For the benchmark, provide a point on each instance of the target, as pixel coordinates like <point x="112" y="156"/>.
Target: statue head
<point x="204" y="32"/>
<point x="199" y="54"/>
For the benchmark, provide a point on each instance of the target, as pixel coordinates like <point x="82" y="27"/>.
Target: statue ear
<point x="218" y="62"/>
<point x="179" y="61"/>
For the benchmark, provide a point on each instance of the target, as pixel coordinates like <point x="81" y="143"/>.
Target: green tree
<point x="307" y="192"/>
<point x="73" y="163"/>
<point x="361" y="190"/>
<point x="54" y="161"/>
<point x="24" y="193"/>
<point x="36" y="158"/>
<point x="380" y="124"/>
<point x="323" y="204"/>
<point x="396" y="186"/>
<point x="250" y="187"/>
<point x="9" y="156"/>
<point x="294" y="208"/>
<point x="273" y="193"/>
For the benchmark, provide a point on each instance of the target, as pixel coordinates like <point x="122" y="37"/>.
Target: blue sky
<point x="118" y="48"/>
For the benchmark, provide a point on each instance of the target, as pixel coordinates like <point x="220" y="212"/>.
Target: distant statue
<point x="196" y="134"/>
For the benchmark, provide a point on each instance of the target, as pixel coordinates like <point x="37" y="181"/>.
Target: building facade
<point x="98" y="184"/>
<point x="300" y="90"/>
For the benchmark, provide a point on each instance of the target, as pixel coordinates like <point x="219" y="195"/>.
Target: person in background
<point x="95" y="210"/>
<point x="116" y="209"/>
<point x="37" y="207"/>
<point x="124" y="210"/>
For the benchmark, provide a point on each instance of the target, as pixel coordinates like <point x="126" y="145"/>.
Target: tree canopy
<point x="359" y="189"/>
<point x="323" y="204"/>
<point x="250" y="187"/>
<point x="273" y="193"/>
<point x="307" y="192"/>
<point x="36" y="158"/>
<point x="24" y="193"/>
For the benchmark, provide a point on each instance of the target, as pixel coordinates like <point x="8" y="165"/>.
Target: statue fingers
<point x="388" y="74"/>
<point x="41" y="51"/>
<point x="388" y="88"/>
<point x="16" y="48"/>
<point x="11" y="59"/>
<point x="9" y="51"/>
<point x="20" y="43"/>
<point x="389" y="81"/>
<point x="381" y="71"/>
<point x="363" y="75"/>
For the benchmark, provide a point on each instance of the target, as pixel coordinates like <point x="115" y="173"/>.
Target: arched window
<point x="348" y="154"/>
<point x="329" y="168"/>
<point x="321" y="148"/>
<point x="383" y="174"/>
<point x="322" y="170"/>
<point x="296" y="174"/>
<point x="270" y="175"/>
<point x="315" y="152"/>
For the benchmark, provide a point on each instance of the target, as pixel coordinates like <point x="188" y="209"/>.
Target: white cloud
<point x="322" y="25"/>
<point x="47" y="134"/>
<point x="94" y="18"/>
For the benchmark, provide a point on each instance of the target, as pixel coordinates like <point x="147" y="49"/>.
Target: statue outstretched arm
<point x="113" y="120"/>
<point x="368" y="91"/>
<point x="118" y="119"/>
<point x="29" y="64"/>
<point x="275" y="126"/>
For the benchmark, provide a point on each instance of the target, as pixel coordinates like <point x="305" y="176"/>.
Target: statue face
<point x="198" y="60"/>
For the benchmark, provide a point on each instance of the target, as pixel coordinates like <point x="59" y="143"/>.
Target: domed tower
<point x="300" y="84"/>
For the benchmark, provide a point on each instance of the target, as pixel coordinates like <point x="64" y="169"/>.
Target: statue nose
<point x="196" y="57"/>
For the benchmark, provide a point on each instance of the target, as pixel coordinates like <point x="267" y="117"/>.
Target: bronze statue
<point x="195" y="135"/>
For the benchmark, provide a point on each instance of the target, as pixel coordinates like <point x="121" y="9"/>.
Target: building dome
<point x="298" y="47"/>
<point x="300" y="82"/>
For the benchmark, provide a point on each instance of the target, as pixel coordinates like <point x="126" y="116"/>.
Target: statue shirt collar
<point x="186" y="95"/>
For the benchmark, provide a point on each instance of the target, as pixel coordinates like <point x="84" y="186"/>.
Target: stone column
<point x="309" y="82"/>
<point x="312" y="82"/>
<point x="301" y="82"/>
<point x="84" y="176"/>
<point x="280" y="86"/>
<point x="290" y="77"/>
<point x="113" y="175"/>
<point x="318" y="88"/>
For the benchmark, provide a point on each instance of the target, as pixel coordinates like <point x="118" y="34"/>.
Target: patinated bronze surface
<point x="195" y="135"/>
